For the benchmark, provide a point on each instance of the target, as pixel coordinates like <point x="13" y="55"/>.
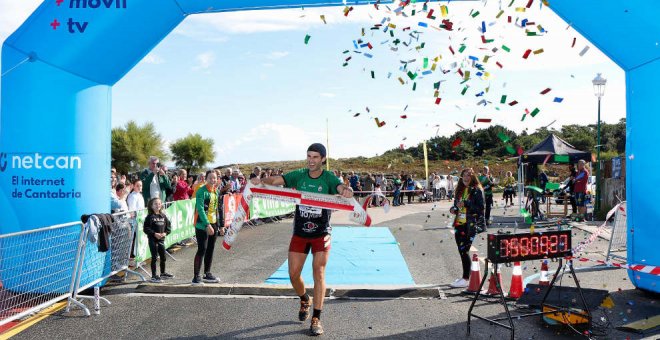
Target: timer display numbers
<point x="504" y="248"/>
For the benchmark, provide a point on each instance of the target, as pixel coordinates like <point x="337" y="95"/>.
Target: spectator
<point x="199" y="182"/>
<point x="543" y="182"/>
<point x="121" y="196"/>
<point x="170" y="193"/>
<point x="256" y="172"/>
<point x="410" y="187"/>
<point x="182" y="191"/>
<point x="378" y="199"/>
<point x="354" y="181"/>
<point x="435" y="184"/>
<point x="486" y="181"/>
<point x="469" y="210"/>
<point x="508" y="183"/>
<point x="207" y="228"/>
<point x="369" y="182"/>
<point x="157" y="226"/>
<point x="135" y="200"/>
<point x="115" y="205"/>
<point x="450" y="187"/>
<point x="397" y="191"/>
<point x="571" y="187"/>
<point x="580" y="189"/>
<point x="155" y="181"/>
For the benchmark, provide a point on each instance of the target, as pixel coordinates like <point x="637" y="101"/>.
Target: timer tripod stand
<point x="552" y="309"/>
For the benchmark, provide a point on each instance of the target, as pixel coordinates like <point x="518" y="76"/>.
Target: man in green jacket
<point x="155" y="181"/>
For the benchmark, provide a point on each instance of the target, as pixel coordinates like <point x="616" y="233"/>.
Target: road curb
<point x="339" y="292"/>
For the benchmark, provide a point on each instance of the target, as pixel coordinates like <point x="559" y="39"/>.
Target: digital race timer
<point x="504" y="248"/>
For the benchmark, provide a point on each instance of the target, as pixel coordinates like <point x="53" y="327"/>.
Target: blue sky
<point x="248" y="81"/>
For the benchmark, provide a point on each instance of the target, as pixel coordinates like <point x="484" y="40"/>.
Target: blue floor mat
<point x="358" y="255"/>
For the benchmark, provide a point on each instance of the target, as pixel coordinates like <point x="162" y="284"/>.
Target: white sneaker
<point x="459" y="283"/>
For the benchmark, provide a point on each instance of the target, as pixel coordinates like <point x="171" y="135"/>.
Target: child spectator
<point x="157" y="226"/>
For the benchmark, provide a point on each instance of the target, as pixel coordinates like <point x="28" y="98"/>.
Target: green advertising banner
<point x="262" y="208"/>
<point x="181" y="215"/>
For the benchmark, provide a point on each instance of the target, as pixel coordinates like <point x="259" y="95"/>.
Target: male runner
<point x="311" y="229"/>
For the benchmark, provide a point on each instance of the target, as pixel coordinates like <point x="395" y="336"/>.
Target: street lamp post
<point x="599" y="90"/>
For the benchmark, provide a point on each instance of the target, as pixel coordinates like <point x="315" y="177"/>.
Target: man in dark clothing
<point x="487" y="183"/>
<point x="543" y="182"/>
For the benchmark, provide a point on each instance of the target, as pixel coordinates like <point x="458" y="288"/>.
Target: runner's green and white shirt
<point x="311" y="222"/>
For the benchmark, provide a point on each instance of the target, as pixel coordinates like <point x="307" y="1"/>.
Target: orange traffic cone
<point x="492" y="283"/>
<point x="543" y="280"/>
<point x="475" y="282"/>
<point x="516" y="289"/>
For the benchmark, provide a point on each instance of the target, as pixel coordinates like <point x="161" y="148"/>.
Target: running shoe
<point x="316" y="328"/>
<point x="459" y="283"/>
<point x="155" y="279"/>
<point x="303" y="314"/>
<point x="166" y="276"/>
<point x="209" y="278"/>
<point x="197" y="281"/>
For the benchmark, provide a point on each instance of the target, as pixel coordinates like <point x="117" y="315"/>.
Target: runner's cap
<point x="317" y="147"/>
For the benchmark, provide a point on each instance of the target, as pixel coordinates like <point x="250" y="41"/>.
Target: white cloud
<point x="277" y="55"/>
<point x="13" y="14"/>
<point x="204" y="61"/>
<point x="206" y="26"/>
<point x="153" y="59"/>
<point x="265" y="142"/>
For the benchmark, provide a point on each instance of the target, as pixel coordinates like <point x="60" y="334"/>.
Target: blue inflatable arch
<point x="59" y="68"/>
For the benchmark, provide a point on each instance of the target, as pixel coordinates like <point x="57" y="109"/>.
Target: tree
<point x="132" y="145"/>
<point x="192" y="152"/>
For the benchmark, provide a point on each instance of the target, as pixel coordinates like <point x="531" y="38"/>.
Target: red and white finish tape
<point x="316" y="200"/>
<point x="582" y="245"/>
<point x="653" y="270"/>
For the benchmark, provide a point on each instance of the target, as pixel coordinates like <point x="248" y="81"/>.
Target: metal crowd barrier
<point x="96" y="267"/>
<point x="37" y="268"/>
<point x="619" y="237"/>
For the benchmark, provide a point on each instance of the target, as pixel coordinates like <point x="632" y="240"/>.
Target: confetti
<point x="503" y="99"/>
<point x="456" y="142"/>
<point x="404" y="116"/>
<point x="379" y="123"/>
<point x="307" y="37"/>
<point x="527" y="54"/>
<point x="535" y="112"/>
<point x="484" y="120"/>
<point x="510" y="149"/>
<point x="357" y="114"/>
<point x="558" y="100"/>
<point x="584" y="50"/>
<point x="444" y="11"/>
<point x="323" y="18"/>
<point x="504" y="138"/>
<point x="513" y="103"/>
<point x="546" y="91"/>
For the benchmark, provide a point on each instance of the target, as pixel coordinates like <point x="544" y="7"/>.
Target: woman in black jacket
<point x="157" y="226"/>
<point x="469" y="210"/>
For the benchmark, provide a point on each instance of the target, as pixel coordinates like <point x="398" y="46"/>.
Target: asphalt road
<point x="427" y="244"/>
